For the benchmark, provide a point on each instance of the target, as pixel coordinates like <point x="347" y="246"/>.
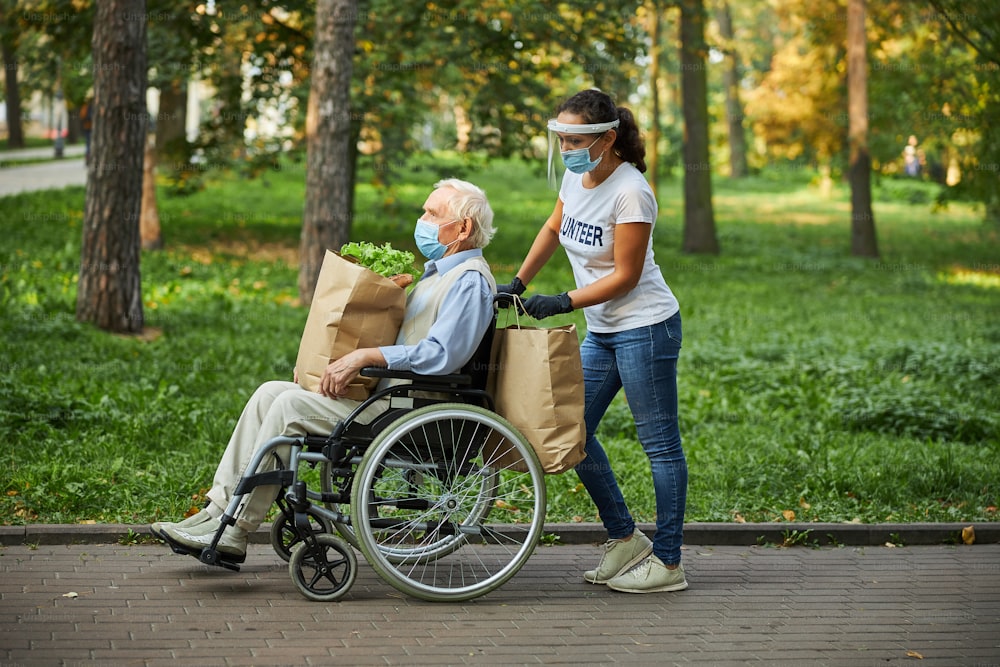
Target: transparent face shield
<point x="556" y="128"/>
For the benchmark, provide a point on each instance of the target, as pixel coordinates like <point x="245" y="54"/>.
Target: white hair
<point x="471" y="202"/>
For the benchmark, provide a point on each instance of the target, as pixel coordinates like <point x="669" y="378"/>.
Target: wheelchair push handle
<point x="510" y="294"/>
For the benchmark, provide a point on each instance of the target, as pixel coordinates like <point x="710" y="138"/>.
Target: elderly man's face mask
<point x="426" y="236"/>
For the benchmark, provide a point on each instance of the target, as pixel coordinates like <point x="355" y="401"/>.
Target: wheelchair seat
<point x="468" y="385"/>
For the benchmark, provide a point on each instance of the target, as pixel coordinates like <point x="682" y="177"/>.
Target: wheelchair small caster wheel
<point x="285" y="537"/>
<point x="323" y="568"/>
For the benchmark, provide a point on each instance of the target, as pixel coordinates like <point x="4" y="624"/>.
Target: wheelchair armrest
<point x="454" y="379"/>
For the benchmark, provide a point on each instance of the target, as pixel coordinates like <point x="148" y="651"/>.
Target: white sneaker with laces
<point x="652" y="576"/>
<point x="190" y="522"/>
<point x="233" y="542"/>
<point x="619" y="556"/>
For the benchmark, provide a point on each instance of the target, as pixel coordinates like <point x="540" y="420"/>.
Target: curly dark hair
<point x="595" y="106"/>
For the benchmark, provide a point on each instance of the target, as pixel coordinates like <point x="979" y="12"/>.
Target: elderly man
<point x="447" y="314"/>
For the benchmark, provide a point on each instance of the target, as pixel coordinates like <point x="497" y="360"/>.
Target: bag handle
<point x="518" y="305"/>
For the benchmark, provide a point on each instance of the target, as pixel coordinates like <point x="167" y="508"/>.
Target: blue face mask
<point x="426" y="236"/>
<point x="578" y="160"/>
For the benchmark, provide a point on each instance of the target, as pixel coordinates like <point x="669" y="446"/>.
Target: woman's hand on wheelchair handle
<point x="506" y="293"/>
<point x="541" y="306"/>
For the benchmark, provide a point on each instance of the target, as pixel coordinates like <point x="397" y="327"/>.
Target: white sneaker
<point x="619" y="556"/>
<point x="190" y="522"/>
<point x="233" y="542"/>
<point x="652" y="576"/>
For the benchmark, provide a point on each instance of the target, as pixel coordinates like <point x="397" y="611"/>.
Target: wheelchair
<point x="443" y="497"/>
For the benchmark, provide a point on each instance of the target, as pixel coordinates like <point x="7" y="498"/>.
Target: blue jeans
<point x="643" y="361"/>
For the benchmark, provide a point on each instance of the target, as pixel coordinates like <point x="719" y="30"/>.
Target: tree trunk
<point x="653" y="145"/>
<point x="863" y="239"/>
<point x="170" y="123"/>
<point x="463" y="126"/>
<point x="109" y="293"/>
<point x="149" y="220"/>
<point x="989" y="154"/>
<point x="12" y="93"/>
<point x="731" y="83"/>
<point x="326" y="221"/>
<point x="74" y="126"/>
<point x="699" y="220"/>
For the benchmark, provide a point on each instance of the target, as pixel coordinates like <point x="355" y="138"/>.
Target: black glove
<point x="541" y="306"/>
<point x="506" y="293"/>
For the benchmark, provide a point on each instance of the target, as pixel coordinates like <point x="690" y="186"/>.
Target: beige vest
<point x="424" y="302"/>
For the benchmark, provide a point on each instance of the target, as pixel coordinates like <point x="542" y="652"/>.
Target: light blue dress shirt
<point x="466" y="311"/>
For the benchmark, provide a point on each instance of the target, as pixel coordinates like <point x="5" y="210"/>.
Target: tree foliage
<point x="977" y="24"/>
<point x="483" y="75"/>
<point x="798" y="110"/>
<point x="932" y="74"/>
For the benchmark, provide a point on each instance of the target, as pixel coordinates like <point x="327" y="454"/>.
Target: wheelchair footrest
<point x="207" y="555"/>
<point x="210" y="556"/>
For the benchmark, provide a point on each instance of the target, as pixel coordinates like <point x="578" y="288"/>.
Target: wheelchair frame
<point x="420" y="482"/>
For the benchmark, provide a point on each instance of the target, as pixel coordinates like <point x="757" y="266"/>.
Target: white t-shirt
<point x="587" y="233"/>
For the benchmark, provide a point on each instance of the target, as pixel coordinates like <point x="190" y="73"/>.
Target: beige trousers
<point x="276" y="408"/>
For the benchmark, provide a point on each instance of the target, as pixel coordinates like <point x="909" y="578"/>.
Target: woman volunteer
<point x="604" y="219"/>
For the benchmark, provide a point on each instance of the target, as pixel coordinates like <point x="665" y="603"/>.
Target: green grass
<point x="835" y="387"/>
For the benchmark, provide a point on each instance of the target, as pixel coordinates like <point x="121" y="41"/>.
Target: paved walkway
<point x="43" y="176"/>
<point x="45" y="152"/>
<point x="108" y="604"/>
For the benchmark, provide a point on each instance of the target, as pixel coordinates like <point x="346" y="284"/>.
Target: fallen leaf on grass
<point x="789" y="515"/>
<point x="969" y="535"/>
<point x="24" y="513"/>
<point x="739" y="518"/>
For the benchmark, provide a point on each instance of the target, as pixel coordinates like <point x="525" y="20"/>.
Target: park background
<point x="839" y="290"/>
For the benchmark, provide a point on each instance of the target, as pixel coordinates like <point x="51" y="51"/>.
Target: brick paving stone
<point x="143" y="605"/>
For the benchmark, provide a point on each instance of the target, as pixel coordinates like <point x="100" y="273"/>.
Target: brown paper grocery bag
<point x="537" y="384"/>
<point x="352" y="307"/>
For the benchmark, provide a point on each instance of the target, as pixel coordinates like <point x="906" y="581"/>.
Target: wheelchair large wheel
<point x="324" y="571"/>
<point x="425" y="490"/>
